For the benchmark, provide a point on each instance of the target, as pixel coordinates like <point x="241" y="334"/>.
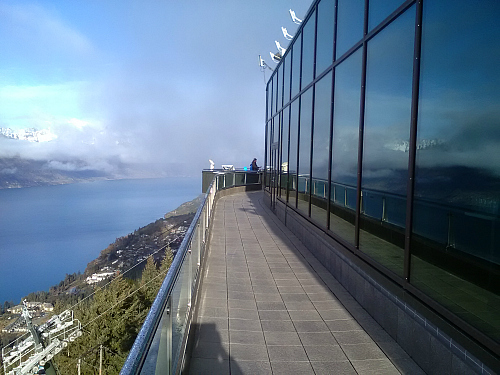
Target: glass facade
<point x="392" y="145"/>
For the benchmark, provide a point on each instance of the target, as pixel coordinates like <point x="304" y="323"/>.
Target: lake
<point x="50" y="231"/>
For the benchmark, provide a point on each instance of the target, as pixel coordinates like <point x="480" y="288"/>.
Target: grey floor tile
<point x="295" y="297"/>
<point x="241" y="304"/>
<point x="286" y="352"/>
<point x="305" y="315"/>
<point x="282" y="338"/>
<point x="239" y="287"/>
<point x="375" y="366"/>
<point x="268" y="297"/>
<point x="363" y="351"/>
<point x="317" y="338"/>
<point x="322" y="297"/>
<point x="315" y="287"/>
<point x="248" y="352"/>
<point x="240" y="295"/>
<point x="277" y="325"/>
<point x="274" y="315"/>
<point x="291" y="368"/>
<point x="291" y="289"/>
<point x="325" y="353"/>
<point x="244" y="314"/>
<point x="270" y="305"/>
<point x="343" y="325"/>
<point x="352" y="337"/>
<point x="241" y="367"/>
<point x="244" y="325"/>
<point x="218" y="312"/>
<point x="247" y="337"/>
<point x="209" y="334"/>
<point x="214" y="302"/>
<point x="203" y="366"/>
<point x="217" y="323"/>
<point x="214" y="350"/>
<point x="286" y="282"/>
<point x="300" y="306"/>
<point x="310" y="326"/>
<point x="329" y="368"/>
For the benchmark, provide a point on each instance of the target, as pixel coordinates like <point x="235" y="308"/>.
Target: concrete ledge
<point x="418" y="330"/>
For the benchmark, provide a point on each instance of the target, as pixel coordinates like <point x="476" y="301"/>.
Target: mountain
<point x="17" y="172"/>
<point x="30" y="135"/>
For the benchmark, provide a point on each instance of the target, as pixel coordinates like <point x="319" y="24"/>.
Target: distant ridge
<point x="18" y="173"/>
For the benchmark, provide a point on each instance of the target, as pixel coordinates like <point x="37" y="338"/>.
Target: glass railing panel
<point x="229" y="179"/>
<point x="430" y="221"/>
<point x="221" y="181"/>
<point x="181" y="304"/>
<point x="159" y="355"/>
<point x="395" y="210"/>
<point x="304" y="185"/>
<point x="319" y="201"/>
<point x="351" y="197"/>
<point x="239" y="178"/>
<point x="373" y="205"/>
<point x="195" y="251"/>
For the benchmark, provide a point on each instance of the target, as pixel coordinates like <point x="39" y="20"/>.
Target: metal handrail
<point x="143" y="341"/>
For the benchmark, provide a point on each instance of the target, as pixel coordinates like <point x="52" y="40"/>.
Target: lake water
<point x="48" y="232"/>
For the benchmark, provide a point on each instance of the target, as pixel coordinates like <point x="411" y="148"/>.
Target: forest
<point x="111" y="317"/>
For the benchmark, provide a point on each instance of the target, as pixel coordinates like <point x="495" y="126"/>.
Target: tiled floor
<point x="269" y="307"/>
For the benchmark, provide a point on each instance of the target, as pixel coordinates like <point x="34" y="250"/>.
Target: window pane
<point x="321" y="144"/>
<point x="385" y="143"/>
<point x="324" y="44"/>
<point x="280" y="87"/>
<point x="455" y="242"/>
<point x="308" y="51"/>
<point x="379" y="10"/>
<point x="345" y="146"/>
<point x="276" y="86"/>
<point x="296" y="65"/>
<point x="304" y="183"/>
<point x="292" y="164"/>
<point x="286" y="78"/>
<point x="284" y="152"/>
<point x="269" y="99"/>
<point x="349" y="24"/>
<point x="275" y="92"/>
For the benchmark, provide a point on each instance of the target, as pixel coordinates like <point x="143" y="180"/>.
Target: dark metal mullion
<point x="413" y="140"/>
<point x="361" y="127"/>
<point x="289" y="109"/>
<point x="332" y="101"/>
<point x="266" y="140"/>
<point x="280" y="139"/>
<point x="287" y="198"/>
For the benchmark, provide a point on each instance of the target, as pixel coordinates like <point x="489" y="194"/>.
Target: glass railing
<point x="160" y="346"/>
<point x="465" y="229"/>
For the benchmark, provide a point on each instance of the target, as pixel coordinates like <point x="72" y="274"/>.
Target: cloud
<point x="159" y="86"/>
<point x="41" y="32"/>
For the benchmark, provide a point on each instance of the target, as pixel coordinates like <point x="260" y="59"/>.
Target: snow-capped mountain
<point x="405" y="145"/>
<point x="30" y="135"/>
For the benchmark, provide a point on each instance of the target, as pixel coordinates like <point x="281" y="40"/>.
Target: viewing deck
<point x="267" y="306"/>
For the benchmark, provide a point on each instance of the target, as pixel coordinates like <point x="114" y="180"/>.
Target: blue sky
<point x="164" y="84"/>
